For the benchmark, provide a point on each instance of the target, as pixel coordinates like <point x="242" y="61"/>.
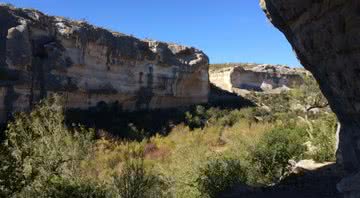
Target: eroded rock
<point x="306" y="166"/>
<point x="267" y="78"/>
<point x="41" y="54"/>
<point x="326" y="38"/>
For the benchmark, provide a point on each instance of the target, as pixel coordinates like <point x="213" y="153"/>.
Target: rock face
<point x="41" y="54"/>
<point x="263" y="78"/>
<point x="326" y="37"/>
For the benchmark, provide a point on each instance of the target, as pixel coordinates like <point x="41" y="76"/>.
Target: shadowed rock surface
<point x="127" y="125"/>
<point x="325" y="36"/>
<point x="41" y="54"/>
<point x="307" y="183"/>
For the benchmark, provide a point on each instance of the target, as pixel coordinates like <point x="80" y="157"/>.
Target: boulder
<point x="306" y="166"/>
<point x="326" y="37"/>
<point x="41" y="54"/>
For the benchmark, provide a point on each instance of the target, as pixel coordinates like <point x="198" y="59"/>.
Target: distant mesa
<point x="244" y="78"/>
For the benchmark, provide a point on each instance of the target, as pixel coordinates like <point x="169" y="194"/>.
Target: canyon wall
<point x="41" y="54"/>
<point x="325" y="35"/>
<point x="262" y="78"/>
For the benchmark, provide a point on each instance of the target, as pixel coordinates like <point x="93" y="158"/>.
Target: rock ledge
<point x="41" y="54"/>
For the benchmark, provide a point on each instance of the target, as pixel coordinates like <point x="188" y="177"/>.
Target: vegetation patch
<point x="210" y="150"/>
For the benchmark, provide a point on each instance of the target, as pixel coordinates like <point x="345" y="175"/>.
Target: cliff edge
<point x="41" y="54"/>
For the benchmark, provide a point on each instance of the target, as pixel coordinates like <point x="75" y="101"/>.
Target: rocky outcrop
<point x="41" y="54"/>
<point x="263" y="78"/>
<point x="325" y="36"/>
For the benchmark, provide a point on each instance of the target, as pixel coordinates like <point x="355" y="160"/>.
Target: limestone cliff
<point x="325" y="35"/>
<point x="263" y="78"/>
<point x="41" y="54"/>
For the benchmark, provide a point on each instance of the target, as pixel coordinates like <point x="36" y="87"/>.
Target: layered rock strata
<point x="41" y="54"/>
<point x="262" y="78"/>
<point x="325" y="35"/>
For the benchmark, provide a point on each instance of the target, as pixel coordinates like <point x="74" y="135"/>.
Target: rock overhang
<point x="41" y="54"/>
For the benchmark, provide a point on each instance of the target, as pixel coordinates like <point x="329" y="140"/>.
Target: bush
<point x="182" y="167"/>
<point x="219" y="175"/>
<point x="136" y="181"/>
<point x="42" y="147"/>
<point x="274" y="150"/>
<point x="325" y="148"/>
<point x="324" y="138"/>
<point x="11" y="178"/>
<point x="61" y="188"/>
<point x="197" y="118"/>
<point x="202" y="116"/>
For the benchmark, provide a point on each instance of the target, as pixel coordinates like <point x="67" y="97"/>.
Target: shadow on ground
<point x="320" y="183"/>
<point x="137" y="125"/>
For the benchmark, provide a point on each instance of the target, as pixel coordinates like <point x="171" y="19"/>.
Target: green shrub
<point x="11" y="178"/>
<point x="42" y="147"/>
<point x="183" y="164"/>
<point x="61" y="188"/>
<point x="202" y="116"/>
<point x="324" y="138"/>
<point x="136" y="180"/>
<point x="197" y="118"/>
<point x="274" y="150"/>
<point x="219" y="175"/>
<point x="325" y="148"/>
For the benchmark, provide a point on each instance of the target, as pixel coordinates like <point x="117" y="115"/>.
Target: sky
<point x="226" y="30"/>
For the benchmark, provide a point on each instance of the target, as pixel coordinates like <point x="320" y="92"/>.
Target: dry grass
<point x="177" y="156"/>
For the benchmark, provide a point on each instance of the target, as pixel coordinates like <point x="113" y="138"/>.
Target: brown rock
<point x="325" y="35"/>
<point x="41" y="54"/>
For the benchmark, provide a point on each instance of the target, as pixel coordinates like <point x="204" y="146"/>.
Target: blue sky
<point x="226" y="30"/>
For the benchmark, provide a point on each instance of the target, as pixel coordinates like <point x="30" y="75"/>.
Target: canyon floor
<point x="104" y="114"/>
